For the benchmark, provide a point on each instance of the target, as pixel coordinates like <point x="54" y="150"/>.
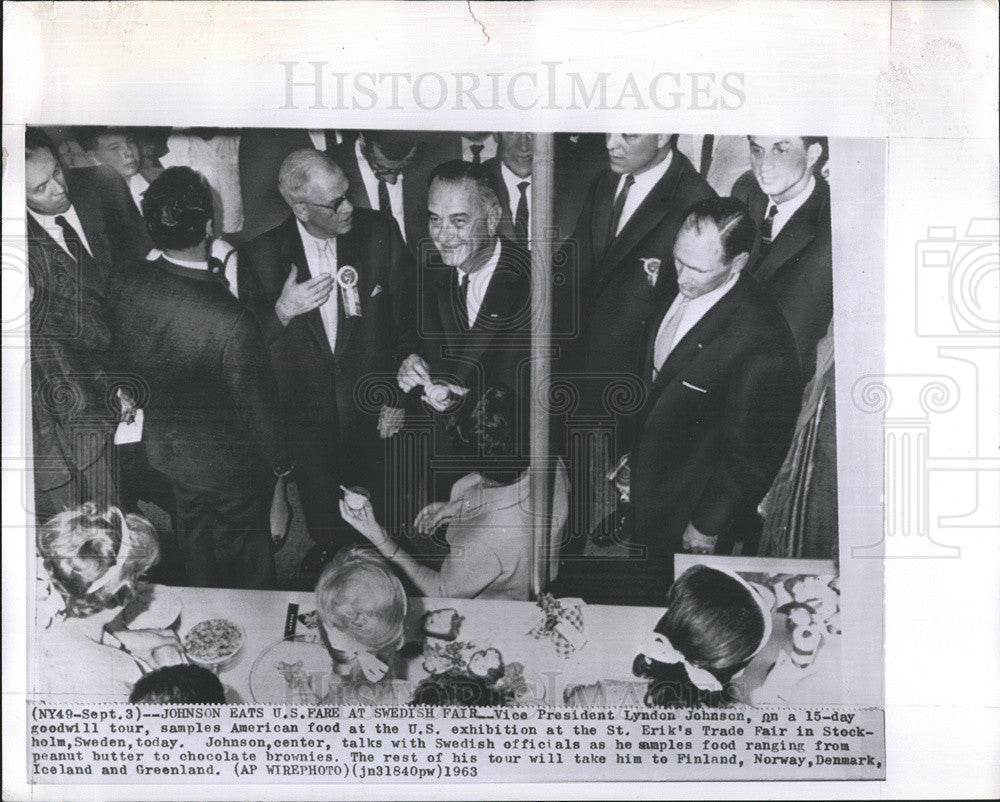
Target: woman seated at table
<point x="714" y="625"/>
<point x="91" y="561"/>
<point x="488" y="515"/>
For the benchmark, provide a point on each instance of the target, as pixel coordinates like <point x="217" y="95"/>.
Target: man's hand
<point x="297" y="299"/>
<point x="442" y="396"/>
<point x="414" y="372"/>
<point x="695" y="542"/>
<point x="390" y="421"/>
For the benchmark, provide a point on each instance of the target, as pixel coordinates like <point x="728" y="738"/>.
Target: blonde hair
<point x="79" y="546"/>
<point x="359" y="595"/>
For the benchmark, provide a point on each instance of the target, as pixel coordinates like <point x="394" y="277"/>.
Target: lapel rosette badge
<point x="347" y="280"/>
<point x="652" y="268"/>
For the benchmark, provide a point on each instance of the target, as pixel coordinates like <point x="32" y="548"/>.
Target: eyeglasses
<point x="334" y="207"/>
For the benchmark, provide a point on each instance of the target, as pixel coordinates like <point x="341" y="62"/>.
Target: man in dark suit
<point x="117" y="153"/>
<point x="69" y="260"/>
<point x="213" y="424"/>
<point x="792" y="256"/>
<point x="512" y="173"/>
<point x="333" y="289"/>
<point x="619" y="268"/>
<point x="475" y="296"/>
<point x="725" y="392"/>
<point x="386" y="172"/>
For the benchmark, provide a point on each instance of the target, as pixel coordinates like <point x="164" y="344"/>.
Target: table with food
<point x="270" y="646"/>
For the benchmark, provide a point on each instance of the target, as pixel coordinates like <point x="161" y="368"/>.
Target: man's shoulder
<point x="746" y="187"/>
<point x="286" y="231"/>
<point x="760" y="319"/>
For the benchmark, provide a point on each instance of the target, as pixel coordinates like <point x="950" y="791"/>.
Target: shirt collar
<point x="792" y="205"/>
<point x="482" y="276"/>
<point x="644" y="181"/>
<point x="512" y="180"/>
<point x="48" y="221"/>
<point x="185" y="263"/>
<point x="317" y="243"/>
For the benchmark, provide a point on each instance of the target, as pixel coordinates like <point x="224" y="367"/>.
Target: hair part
<point x="730" y="218"/>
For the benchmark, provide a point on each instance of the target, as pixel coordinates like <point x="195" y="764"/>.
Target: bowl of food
<point x="214" y="643"/>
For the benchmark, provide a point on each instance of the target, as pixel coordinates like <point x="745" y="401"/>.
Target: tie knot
<point x="61" y="221"/>
<point x="629" y="180"/>
<point x="523" y="186"/>
<point x="772" y="210"/>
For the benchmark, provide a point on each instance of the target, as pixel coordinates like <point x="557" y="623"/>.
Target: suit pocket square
<point x="376" y="291"/>
<point x="694" y="387"/>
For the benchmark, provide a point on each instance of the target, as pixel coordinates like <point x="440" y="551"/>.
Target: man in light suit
<point x="725" y="391"/>
<point x="792" y="255"/>
<point x="212" y="420"/>
<point x="333" y="289"/>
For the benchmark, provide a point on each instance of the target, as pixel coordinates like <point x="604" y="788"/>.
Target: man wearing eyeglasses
<point x="332" y="287"/>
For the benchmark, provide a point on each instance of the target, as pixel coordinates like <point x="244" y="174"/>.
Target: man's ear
<point x="740" y="261"/>
<point x="209" y="229"/>
<point x="813" y="152"/>
<point x="662" y="140"/>
<point x="300" y="210"/>
<point x="493" y="219"/>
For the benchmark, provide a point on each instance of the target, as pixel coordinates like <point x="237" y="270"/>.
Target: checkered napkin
<point x="562" y="623"/>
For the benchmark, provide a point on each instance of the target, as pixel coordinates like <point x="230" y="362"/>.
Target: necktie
<point x="477" y="153"/>
<point x="616" y="210"/>
<point x="384" y="204"/>
<point x="707" y="143"/>
<point x="665" y="336"/>
<point x="462" y="300"/>
<point x="74" y="245"/>
<point x="521" y="213"/>
<point x="328" y="311"/>
<point x="768" y="225"/>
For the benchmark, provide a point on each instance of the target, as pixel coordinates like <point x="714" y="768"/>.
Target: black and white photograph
<point x="352" y="447"/>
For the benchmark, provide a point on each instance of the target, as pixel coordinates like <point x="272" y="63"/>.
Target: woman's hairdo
<point x="375" y="621"/>
<point x="81" y="545"/>
<point x="490" y="431"/>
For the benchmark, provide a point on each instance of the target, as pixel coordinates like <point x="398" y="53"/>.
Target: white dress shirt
<point x="514" y="193"/>
<point x="479" y="282"/>
<point x="696" y="309"/>
<point x="137" y="185"/>
<point x="488" y="152"/>
<point x="789" y="207"/>
<point x="48" y="222"/>
<point x="321" y="255"/>
<point x="370" y="181"/>
<point x="644" y="182"/>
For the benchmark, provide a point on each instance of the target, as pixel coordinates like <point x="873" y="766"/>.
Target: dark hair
<point x="177" y="206"/>
<point x="456" y="688"/>
<point x="88" y="135"/>
<point x="457" y="171"/>
<point x="490" y="432"/>
<point x="35" y="139"/>
<point x="180" y="684"/>
<point x="715" y="623"/>
<point x="732" y="220"/>
<point x="395" y="145"/>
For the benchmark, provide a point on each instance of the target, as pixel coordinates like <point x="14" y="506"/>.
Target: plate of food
<point x="295" y="671"/>
<point x="214" y="643"/>
<point x="152" y="607"/>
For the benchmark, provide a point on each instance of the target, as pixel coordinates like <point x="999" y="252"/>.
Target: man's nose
<point x="612" y="141"/>
<point x="346" y="207"/>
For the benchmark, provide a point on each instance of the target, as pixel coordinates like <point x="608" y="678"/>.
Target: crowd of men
<point x="379" y="283"/>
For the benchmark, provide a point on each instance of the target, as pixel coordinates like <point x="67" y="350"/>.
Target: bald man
<point x="333" y="289"/>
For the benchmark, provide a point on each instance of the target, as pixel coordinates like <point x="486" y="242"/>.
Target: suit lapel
<point x="654" y="207"/>
<point x="711" y="325"/>
<point x="348" y="253"/>
<point x="602" y="215"/>
<point x="796" y="234"/>
<point x="295" y="254"/>
<point x="90" y="211"/>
